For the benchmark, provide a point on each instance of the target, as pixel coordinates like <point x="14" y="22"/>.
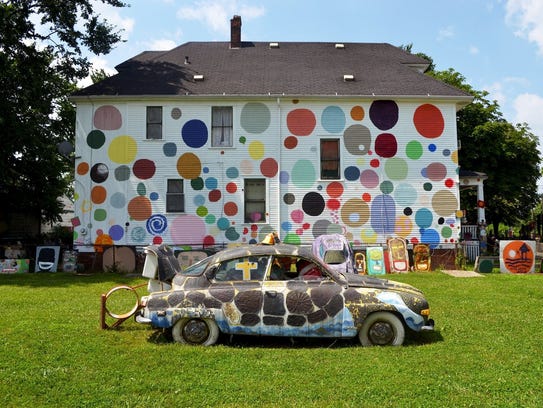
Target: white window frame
<point x="250" y="204"/>
<point x="175" y="195"/>
<point x="222" y="126"/>
<point x="153" y="123"/>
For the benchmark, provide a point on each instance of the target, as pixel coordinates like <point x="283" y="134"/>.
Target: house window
<point x="175" y="196"/>
<point x="222" y="134"/>
<point x="255" y="200"/>
<point x="154" y="122"/>
<point x="330" y="159"/>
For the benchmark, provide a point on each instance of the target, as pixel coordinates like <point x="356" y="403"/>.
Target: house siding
<point x="399" y="171"/>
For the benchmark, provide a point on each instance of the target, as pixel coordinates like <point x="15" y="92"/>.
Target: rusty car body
<point x="282" y="290"/>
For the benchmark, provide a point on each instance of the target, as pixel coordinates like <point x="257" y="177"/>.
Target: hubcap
<point x="195" y="331"/>
<point x="381" y="333"/>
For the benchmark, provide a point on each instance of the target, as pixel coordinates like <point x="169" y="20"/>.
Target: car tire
<point x="204" y="332"/>
<point x="382" y="329"/>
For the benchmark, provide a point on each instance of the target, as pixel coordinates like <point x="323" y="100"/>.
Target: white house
<point x="216" y="143"/>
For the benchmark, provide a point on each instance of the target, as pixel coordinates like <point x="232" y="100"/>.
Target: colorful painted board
<point x="517" y="256"/>
<point x="421" y="258"/>
<point x="360" y="263"/>
<point x="376" y="261"/>
<point x="14" y="265"/>
<point x="398" y="256"/>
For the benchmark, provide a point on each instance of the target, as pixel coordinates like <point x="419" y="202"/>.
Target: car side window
<point x="242" y="269"/>
<point x="293" y="267"/>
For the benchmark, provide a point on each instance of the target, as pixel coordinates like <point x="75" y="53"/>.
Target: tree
<point x="507" y="153"/>
<point x="41" y="44"/>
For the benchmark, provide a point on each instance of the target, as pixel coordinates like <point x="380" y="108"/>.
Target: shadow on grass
<point x="163" y="336"/>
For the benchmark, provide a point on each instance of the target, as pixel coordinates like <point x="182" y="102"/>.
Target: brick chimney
<point x="235" y="32"/>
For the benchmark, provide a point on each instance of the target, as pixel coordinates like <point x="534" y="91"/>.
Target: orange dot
<point x="139" y="208"/>
<point x="82" y="168"/>
<point x="98" y="194"/>
<point x="357" y="113"/>
<point x="429" y="121"/>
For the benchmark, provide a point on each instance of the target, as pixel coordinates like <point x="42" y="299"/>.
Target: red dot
<point x="231" y="187"/>
<point x="254" y="227"/>
<point x="334" y="189"/>
<point x="333" y="204"/>
<point x="214" y="195"/>
<point x="209" y="240"/>
<point x="230" y="208"/>
<point x="269" y="167"/>
<point x="449" y="183"/>
<point x="414" y="240"/>
<point x="366" y="197"/>
<point x="429" y="121"/>
<point x="374" y="163"/>
<point x="291" y="142"/>
<point x="301" y="122"/>
<point x="306" y="226"/>
<point x="157" y="240"/>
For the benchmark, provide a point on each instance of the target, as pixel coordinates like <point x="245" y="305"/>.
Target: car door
<point x="301" y="301"/>
<point x="236" y="285"/>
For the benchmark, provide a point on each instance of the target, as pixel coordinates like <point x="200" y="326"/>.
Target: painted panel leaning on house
<point x="218" y="171"/>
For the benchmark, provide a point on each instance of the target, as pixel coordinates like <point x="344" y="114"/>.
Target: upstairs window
<point x="330" y="159"/>
<point x="175" y="196"/>
<point x="222" y="133"/>
<point x="255" y="200"/>
<point x="154" y="122"/>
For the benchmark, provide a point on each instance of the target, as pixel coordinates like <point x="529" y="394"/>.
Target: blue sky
<point x="496" y="44"/>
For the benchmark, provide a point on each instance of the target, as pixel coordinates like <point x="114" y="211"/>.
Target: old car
<point x="281" y="290"/>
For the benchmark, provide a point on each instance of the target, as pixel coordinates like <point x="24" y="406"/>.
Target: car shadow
<point x="162" y="336"/>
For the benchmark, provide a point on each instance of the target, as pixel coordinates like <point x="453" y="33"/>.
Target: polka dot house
<point x="398" y="176"/>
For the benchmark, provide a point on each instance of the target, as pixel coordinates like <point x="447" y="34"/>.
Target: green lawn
<point x="487" y="352"/>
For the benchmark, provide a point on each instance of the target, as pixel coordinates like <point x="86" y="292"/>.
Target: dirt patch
<point x="463" y="274"/>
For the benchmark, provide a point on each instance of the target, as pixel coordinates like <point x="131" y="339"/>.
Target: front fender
<point x="168" y="317"/>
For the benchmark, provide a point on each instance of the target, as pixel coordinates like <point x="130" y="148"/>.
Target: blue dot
<point x="286" y="226"/>
<point x="446" y="152"/>
<point x="211" y="183"/>
<point x="199" y="200"/>
<point x="432" y="147"/>
<point x="232" y="172"/>
<point x="153" y="196"/>
<point x="194" y="133"/>
<point x="333" y="119"/>
<point x="169" y="149"/>
<point x="205" y="170"/>
<point x="223" y="223"/>
<point x="352" y="173"/>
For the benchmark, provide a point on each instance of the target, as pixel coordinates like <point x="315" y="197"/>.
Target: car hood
<point x="364" y="281"/>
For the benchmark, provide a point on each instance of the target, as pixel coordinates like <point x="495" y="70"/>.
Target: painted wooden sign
<point x="397" y="254"/>
<point x="517" y="256"/>
<point x="376" y="261"/>
<point x="421" y="258"/>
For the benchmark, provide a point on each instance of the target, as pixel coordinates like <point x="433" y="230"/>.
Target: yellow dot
<point x="256" y="150"/>
<point x="123" y="149"/>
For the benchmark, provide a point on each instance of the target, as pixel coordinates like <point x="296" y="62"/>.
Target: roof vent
<point x="274" y="45"/>
<point x="340" y="46"/>
<point x="348" y="77"/>
<point x="198" y="77"/>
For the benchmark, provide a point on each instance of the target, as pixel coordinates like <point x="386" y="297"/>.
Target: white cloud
<point x="526" y="16"/>
<point x="528" y="108"/>
<point x="473" y="50"/>
<point x="447" y="32"/>
<point x="113" y="17"/>
<point x="217" y="13"/>
<point x="163" y="44"/>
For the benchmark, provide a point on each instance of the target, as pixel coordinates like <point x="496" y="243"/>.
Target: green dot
<point x="413" y="150"/>
<point x="210" y="219"/>
<point x="141" y="189"/>
<point x="100" y="214"/>
<point x="291" y="238"/>
<point x="446" y="232"/>
<point x="201" y="211"/>
<point x="197" y="183"/>
<point x="386" y="187"/>
<point x="427" y="186"/>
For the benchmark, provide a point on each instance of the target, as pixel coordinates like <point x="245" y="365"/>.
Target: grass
<point x="487" y="352"/>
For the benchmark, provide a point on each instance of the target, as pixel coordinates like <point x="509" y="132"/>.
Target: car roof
<point x="262" y="249"/>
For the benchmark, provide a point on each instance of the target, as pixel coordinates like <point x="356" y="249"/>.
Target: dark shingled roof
<point x="292" y="69"/>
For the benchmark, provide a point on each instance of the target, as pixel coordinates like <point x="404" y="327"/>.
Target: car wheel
<point x="204" y="332"/>
<point x="382" y="329"/>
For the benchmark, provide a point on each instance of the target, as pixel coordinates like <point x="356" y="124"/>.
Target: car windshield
<point x="197" y="268"/>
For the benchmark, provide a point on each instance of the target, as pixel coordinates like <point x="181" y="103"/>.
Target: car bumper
<point x="429" y="326"/>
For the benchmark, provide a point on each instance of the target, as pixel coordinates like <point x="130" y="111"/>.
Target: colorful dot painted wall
<point x="399" y="173"/>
